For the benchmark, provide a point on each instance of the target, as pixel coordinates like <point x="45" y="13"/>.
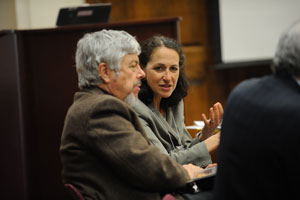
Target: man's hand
<point x="193" y="170"/>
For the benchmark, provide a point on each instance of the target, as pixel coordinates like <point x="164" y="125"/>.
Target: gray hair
<point x="287" y="57"/>
<point x="105" y="46"/>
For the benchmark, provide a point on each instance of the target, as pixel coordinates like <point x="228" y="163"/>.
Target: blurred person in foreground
<point x="259" y="154"/>
<point x="104" y="150"/>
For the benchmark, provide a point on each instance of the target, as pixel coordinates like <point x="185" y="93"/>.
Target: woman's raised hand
<point x="215" y="118"/>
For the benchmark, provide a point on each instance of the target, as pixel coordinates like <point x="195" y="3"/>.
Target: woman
<point x="161" y="108"/>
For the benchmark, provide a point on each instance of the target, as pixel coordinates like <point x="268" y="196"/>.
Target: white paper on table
<point x="198" y="125"/>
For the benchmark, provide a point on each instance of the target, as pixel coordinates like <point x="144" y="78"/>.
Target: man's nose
<point x="141" y="73"/>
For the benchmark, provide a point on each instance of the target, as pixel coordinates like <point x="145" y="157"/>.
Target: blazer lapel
<point x="164" y="123"/>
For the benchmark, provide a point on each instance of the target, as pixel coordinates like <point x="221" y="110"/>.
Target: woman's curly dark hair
<point x="147" y="48"/>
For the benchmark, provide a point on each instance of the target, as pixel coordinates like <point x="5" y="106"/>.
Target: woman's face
<point x="162" y="72"/>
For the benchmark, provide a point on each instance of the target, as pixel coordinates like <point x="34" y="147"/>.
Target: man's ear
<point x="103" y="71"/>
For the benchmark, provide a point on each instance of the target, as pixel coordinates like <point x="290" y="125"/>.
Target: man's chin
<point x="131" y="99"/>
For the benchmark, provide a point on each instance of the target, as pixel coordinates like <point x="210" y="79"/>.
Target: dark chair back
<point x="73" y="192"/>
<point x="168" y="197"/>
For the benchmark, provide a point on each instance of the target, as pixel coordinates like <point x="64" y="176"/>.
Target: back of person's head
<point x="105" y="46"/>
<point x="287" y="57"/>
<point x="147" y="48"/>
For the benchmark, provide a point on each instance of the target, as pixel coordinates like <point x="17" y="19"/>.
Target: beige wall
<point x="28" y="14"/>
<point x="7" y="14"/>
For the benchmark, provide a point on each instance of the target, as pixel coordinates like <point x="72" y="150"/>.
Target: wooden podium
<point x="38" y="81"/>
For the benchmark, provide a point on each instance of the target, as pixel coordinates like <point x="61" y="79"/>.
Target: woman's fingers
<point x="215" y="118"/>
<point x="215" y="114"/>
<point x="212" y="116"/>
<point x="205" y="120"/>
<point x="218" y="109"/>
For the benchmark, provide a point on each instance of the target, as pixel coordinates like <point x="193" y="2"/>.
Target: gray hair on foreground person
<point x="287" y="57"/>
<point x="108" y="46"/>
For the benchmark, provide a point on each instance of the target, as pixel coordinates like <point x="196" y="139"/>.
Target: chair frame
<point x="74" y="192"/>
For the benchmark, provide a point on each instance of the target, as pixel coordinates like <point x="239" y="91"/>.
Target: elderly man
<point x="104" y="150"/>
<point x="259" y="153"/>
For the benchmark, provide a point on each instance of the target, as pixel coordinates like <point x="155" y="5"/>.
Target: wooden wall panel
<point x="192" y="12"/>
<point x="195" y="62"/>
<point x="194" y="105"/>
